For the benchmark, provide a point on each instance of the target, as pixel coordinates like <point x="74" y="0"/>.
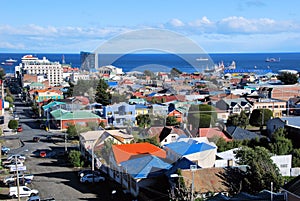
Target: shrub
<point x="75" y="158"/>
<point x="13" y="124"/>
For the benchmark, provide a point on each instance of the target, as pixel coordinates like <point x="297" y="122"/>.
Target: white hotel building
<point x="52" y="71"/>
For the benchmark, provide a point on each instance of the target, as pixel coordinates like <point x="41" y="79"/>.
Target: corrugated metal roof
<point x="184" y="148"/>
<point x="145" y="166"/>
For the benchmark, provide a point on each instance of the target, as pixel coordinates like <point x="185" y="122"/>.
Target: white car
<point x="19" y="156"/>
<point x="12" y="178"/>
<point x="89" y="178"/>
<point x="13" y="164"/>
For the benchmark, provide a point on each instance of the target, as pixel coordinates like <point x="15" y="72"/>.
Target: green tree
<point x="296" y="158"/>
<point x="13" y="124"/>
<point x="2" y="73"/>
<point x="261" y="170"/>
<point x="288" y="78"/>
<point x="243" y="119"/>
<point x="259" y="117"/>
<point x="280" y="145"/>
<point x="143" y="120"/>
<point x="75" y="158"/>
<point x="117" y="98"/>
<point x="9" y="99"/>
<point x="149" y="73"/>
<point x="233" y="120"/>
<point x="172" y="121"/>
<point x="102" y="96"/>
<point x="175" y="72"/>
<point x="72" y="131"/>
<point x="152" y="140"/>
<point x="83" y="86"/>
<point x="202" y="116"/>
<point x="70" y="89"/>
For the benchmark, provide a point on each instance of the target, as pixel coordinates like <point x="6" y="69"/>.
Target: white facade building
<point x="53" y="71"/>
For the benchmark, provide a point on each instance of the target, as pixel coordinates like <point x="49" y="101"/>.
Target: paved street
<point x="53" y="176"/>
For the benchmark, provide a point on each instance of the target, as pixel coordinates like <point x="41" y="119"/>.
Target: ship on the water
<point x="272" y="60"/>
<point x="9" y="62"/>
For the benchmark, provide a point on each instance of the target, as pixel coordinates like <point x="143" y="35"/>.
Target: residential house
<point x="140" y="101"/>
<point x="282" y="92"/>
<point x="178" y="114"/>
<point x="293" y="106"/>
<point x="64" y="118"/>
<point x="36" y="85"/>
<point x="284" y="164"/>
<point x="135" y="165"/>
<point x="87" y="142"/>
<point x="234" y="106"/>
<point x="292" y="189"/>
<point x="227" y="158"/>
<point x="278" y="107"/>
<point x="141" y="109"/>
<point x="237" y="133"/>
<point x="160" y="110"/>
<point x="201" y="153"/>
<point x="207" y="181"/>
<point x="291" y="125"/>
<point x="119" y="114"/>
<point x="210" y="133"/>
<point x="47" y="94"/>
<point x="165" y="134"/>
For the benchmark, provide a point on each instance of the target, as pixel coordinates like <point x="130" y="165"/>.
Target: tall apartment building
<point x="52" y="71"/>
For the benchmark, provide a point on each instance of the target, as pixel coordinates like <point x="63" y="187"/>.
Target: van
<point x="23" y="190"/>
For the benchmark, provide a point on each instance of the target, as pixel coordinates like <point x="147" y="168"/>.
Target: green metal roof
<point x="61" y="114"/>
<point x="37" y="84"/>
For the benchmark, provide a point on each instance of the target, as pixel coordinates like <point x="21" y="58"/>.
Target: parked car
<point x="13" y="177"/>
<point x="43" y="154"/>
<point x="19" y="129"/>
<point x="12" y="160"/>
<point x="36" y="139"/>
<point x="18" y="156"/>
<point x="81" y="173"/>
<point x="89" y="178"/>
<point x="13" y="164"/>
<point x="16" y="117"/>
<point x="37" y="198"/>
<point x="22" y="182"/>
<point x="24" y="191"/>
<point x="4" y="150"/>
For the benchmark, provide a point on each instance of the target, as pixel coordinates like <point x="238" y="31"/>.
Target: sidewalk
<point x="7" y="131"/>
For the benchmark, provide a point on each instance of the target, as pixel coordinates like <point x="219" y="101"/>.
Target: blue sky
<point x="70" y="26"/>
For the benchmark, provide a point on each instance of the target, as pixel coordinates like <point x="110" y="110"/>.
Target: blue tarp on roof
<point x="184" y="148"/>
<point x="145" y="166"/>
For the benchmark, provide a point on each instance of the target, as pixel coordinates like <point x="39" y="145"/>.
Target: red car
<point x="43" y="154"/>
<point x="19" y="129"/>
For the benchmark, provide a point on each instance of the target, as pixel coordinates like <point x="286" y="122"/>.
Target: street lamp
<point x="192" y="168"/>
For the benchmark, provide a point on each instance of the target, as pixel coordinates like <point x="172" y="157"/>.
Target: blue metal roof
<point x="145" y="166"/>
<point x="184" y="148"/>
<point x="292" y="121"/>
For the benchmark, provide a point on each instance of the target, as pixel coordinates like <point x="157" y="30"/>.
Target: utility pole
<point x="18" y="183"/>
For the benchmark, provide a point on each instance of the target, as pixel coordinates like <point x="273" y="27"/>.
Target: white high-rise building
<point x="52" y="71"/>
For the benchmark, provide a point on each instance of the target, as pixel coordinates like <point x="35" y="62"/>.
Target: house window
<point x="236" y="109"/>
<point x="109" y="113"/>
<point x="283" y="165"/>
